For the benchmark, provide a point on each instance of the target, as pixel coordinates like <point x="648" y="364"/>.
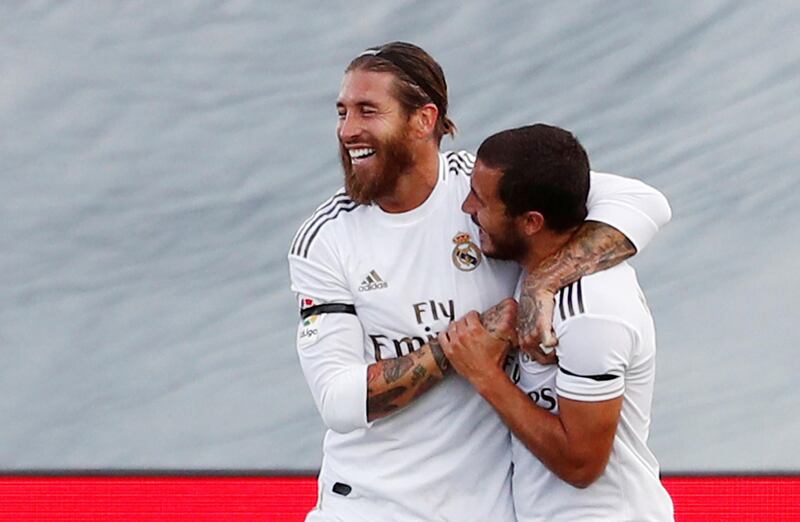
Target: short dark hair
<point x="545" y="169"/>
<point x="419" y="79"/>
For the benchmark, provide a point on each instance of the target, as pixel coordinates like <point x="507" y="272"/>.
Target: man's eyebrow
<point x="358" y="103"/>
<point x="475" y="193"/>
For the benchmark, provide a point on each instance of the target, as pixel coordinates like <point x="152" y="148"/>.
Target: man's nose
<point x="466" y="206"/>
<point x="348" y="128"/>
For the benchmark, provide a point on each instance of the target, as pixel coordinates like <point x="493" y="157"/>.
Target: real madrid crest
<point x="466" y="254"/>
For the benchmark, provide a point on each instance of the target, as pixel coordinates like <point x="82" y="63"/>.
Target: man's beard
<point x="393" y="158"/>
<point x="510" y="245"/>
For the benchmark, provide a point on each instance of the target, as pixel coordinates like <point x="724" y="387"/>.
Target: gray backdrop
<point x="156" y="159"/>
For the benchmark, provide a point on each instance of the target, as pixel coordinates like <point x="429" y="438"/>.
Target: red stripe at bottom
<point x="735" y="499"/>
<point x="289" y="499"/>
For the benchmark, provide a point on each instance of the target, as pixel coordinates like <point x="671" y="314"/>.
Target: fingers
<point x="508" y="304"/>
<point x="444" y="340"/>
<point x="529" y="343"/>
<point x="470" y="329"/>
<point x="549" y="340"/>
<point x="453" y="335"/>
<point x="535" y="322"/>
<point x="543" y="359"/>
<point x="538" y="340"/>
<point x="473" y="325"/>
<point x="504" y="326"/>
<point x="539" y="355"/>
<point x="473" y="321"/>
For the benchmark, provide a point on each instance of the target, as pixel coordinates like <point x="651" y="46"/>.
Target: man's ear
<point x="532" y="222"/>
<point x="424" y="120"/>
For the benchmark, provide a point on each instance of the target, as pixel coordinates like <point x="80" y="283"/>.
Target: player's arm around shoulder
<point x="624" y="215"/>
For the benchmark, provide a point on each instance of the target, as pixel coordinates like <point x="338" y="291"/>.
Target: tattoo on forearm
<point x="425" y="386"/>
<point x="381" y="404"/>
<point x="594" y="247"/>
<point x="393" y="383"/>
<point x="394" y="369"/>
<point x="419" y="373"/>
<point x="529" y="311"/>
<point x="598" y="239"/>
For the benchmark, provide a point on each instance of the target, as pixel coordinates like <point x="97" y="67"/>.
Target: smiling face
<point x="373" y="132"/>
<point x="500" y="235"/>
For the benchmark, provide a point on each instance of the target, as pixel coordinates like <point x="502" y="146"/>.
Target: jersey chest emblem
<point x="466" y="254"/>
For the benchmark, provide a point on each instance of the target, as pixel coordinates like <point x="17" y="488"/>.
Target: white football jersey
<point x="396" y="280"/>
<point x="606" y="349"/>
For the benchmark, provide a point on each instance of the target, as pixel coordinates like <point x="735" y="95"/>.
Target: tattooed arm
<point x="477" y="350"/>
<point x="394" y="383"/>
<point x="594" y="247"/>
<point x="624" y="215"/>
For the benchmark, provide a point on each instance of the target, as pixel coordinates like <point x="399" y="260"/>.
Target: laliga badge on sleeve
<point x="466" y="254"/>
<point x="306" y="302"/>
<point x="308" y="331"/>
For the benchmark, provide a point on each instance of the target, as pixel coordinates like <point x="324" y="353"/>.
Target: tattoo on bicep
<point x="394" y="369"/>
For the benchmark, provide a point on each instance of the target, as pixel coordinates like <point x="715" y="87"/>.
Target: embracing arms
<point x="575" y="444"/>
<point x="348" y="391"/>
<point x="394" y="383"/>
<point x="624" y="216"/>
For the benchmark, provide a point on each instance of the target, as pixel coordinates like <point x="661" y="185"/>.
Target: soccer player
<point x="580" y="428"/>
<point x="386" y="264"/>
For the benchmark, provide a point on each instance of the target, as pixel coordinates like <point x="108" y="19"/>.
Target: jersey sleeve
<point x="330" y="338"/>
<point x="593" y="354"/>
<point x="319" y="273"/>
<point x="629" y="205"/>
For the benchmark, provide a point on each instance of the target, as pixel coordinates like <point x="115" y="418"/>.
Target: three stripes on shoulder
<point x="570" y="300"/>
<point x="459" y="163"/>
<point x="336" y="205"/>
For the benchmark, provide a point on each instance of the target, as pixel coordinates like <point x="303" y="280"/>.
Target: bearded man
<point x="386" y="264"/>
<point x="580" y="427"/>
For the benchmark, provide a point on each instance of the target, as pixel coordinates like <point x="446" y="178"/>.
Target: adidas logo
<point x="372" y="282"/>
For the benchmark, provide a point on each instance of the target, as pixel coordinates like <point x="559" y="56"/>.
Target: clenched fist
<point x="476" y="345"/>
<point x="535" y="322"/>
